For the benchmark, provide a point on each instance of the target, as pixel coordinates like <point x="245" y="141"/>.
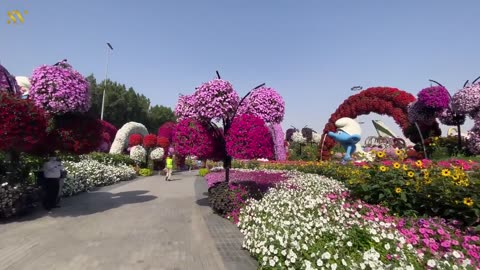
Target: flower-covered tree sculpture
<point x="467" y="102"/>
<point x="108" y="134"/>
<point x="22" y="123"/>
<point x="265" y="103"/>
<point x="166" y="130"/>
<point x="8" y="83"/>
<point x="213" y="102"/>
<point x="150" y="141"/>
<point x="59" y="89"/>
<point x="135" y="139"/>
<point x="279" y="141"/>
<point x="77" y="133"/>
<point x="249" y="138"/>
<point x="192" y="137"/>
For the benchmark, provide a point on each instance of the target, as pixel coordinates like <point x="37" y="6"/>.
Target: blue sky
<point x="312" y="52"/>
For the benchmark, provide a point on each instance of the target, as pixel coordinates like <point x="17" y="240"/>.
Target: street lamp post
<point x="109" y="48"/>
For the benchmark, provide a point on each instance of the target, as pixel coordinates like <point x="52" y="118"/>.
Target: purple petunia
<point x="60" y="89"/>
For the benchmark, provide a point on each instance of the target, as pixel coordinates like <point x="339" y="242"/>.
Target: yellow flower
<point x="365" y="166"/>
<point x="405" y="167"/>
<point x="419" y="163"/>
<point x="396" y="165"/>
<point x="407" y="183"/>
<point x="468" y="201"/>
<point x="380" y="154"/>
<point x="383" y="168"/>
<point x="455" y="177"/>
<point x="428" y="181"/>
<point x="410" y="174"/>
<point x="398" y="190"/>
<point x="445" y="172"/>
<point x="398" y="152"/>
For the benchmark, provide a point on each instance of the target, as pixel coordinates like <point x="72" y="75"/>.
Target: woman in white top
<point x="52" y="171"/>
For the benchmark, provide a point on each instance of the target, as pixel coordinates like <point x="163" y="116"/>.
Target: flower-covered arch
<point x="382" y="100"/>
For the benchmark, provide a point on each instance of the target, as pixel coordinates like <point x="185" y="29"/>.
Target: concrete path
<point x="143" y="224"/>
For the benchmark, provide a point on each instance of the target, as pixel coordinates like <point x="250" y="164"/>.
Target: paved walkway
<point x="143" y="224"/>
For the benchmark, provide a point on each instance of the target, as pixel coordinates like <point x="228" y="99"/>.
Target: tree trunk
<point x="227" y="163"/>
<point x="459" y="134"/>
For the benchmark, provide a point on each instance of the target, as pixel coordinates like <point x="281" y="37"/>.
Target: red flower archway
<point x="382" y="100"/>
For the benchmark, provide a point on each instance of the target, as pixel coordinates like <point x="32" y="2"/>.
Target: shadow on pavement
<point x="89" y="203"/>
<point x="203" y="202"/>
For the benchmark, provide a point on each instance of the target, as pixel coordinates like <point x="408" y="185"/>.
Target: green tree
<point x="123" y="105"/>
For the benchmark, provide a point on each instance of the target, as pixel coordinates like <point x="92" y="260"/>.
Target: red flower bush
<point x="135" y="139"/>
<point x="166" y="130"/>
<point x="163" y="142"/>
<point x="150" y="141"/>
<point x="108" y="134"/>
<point x="191" y="137"/>
<point x="249" y="138"/>
<point x="77" y="133"/>
<point x="22" y="124"/>
<point x="381" y="100"/>
<point x="109" y="128"/>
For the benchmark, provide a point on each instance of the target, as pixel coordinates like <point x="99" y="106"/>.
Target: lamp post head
<point x="110" y="46"/>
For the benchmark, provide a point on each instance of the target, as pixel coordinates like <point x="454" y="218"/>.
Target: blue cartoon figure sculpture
<point x="348" y="135"/>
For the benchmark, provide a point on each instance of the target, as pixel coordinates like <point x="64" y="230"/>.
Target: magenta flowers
<point x="435" y="98"/>
<point x="249" y="138"/>
<point x="59" y="89"/>
<point x="191" y="137"/>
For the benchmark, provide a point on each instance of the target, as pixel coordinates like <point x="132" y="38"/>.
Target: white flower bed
<point x="120" y="142"/>
<point x="88" y="173"/>
<point x="305" y="223"/>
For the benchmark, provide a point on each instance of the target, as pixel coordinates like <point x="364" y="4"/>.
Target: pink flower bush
<point x="59" y="89"/>
<point x="215" y="100"/>
<point x="191" y="137"/>
<point x="467" y="100"/>
<point x="185" y="107"/>
<point x="265" y="103"/>
<point x="249" y="138"/>
<point x="166" y="130"/>
<point x="279" y="141"/>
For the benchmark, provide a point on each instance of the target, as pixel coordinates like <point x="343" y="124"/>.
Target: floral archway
<point x="381" y="100"/>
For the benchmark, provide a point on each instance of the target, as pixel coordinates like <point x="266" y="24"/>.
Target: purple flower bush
<point x="8" y="82"/>
<point x="59" y="89"/>
<point x="265" y="103"/>
<point x="467" y="100"/>
<point x="448" y="118"/>
<point x="417" y="112"/>
<point x="215" y="100"/>
<point x="434" y="98"/>
<point x="249" y="138"/>
<point x="264" y="178"/>
<point x="279" y="141"/>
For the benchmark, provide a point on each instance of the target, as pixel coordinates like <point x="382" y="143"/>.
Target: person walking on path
<point x="169" y="166"/>
<point x="52" y="171"/>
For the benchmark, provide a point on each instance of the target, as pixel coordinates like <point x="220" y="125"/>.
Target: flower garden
<point x="393" y="206"/>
